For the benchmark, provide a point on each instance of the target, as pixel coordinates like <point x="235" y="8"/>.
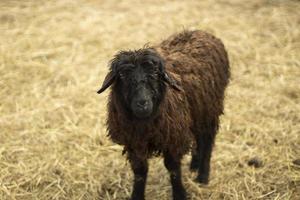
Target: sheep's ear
<point x="171" y="81"/>
<point x="109" y="79"/>
<point x="168" y="78"/>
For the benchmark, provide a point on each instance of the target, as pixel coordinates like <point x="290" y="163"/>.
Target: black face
<point x="140" y="79"/>
<point x="139" y="83"/>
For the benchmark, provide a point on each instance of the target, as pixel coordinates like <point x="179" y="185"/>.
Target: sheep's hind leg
<point x="140" y="170"/>
<point x="173" y="166"/>
<point x="205" y="155"/>
<point x="205" y="144"/>
<point x="196" y="156"/>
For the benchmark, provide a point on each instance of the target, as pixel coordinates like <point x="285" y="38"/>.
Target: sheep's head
<point x="139" y="79"/>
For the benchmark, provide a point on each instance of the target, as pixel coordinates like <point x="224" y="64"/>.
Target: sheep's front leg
<point x="173" y="166"/>
<point x="140" y="169"/>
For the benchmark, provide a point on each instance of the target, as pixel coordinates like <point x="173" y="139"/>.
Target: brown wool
<point x="198" y="62"/>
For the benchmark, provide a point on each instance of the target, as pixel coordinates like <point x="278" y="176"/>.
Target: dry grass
<point x="53" y="57"/>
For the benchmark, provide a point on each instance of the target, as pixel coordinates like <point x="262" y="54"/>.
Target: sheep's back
<point x="202" y="62"/>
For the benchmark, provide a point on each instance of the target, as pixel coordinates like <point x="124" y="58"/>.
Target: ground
<point x="53" y="58"/>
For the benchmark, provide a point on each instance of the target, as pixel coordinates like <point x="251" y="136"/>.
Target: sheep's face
<point x="139" y="87"/>
<point x="140" y="79"/>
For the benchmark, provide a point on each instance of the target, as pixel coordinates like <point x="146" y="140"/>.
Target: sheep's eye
<point x="125" y="69"/>
<point x="149" y="66"/>
<point x="152" y="76"/>
<point x="127" y="66"/>
<point x="122" y="75"/>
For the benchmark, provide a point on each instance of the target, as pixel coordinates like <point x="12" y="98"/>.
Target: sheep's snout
<point x="142" y="105"/>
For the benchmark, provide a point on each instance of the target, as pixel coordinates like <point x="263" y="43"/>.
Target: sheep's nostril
<point x="142" y="103"/>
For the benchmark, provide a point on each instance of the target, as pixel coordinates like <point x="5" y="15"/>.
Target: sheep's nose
<point x="142" y="103"/>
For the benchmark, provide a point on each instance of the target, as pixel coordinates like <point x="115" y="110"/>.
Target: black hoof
<point x="194" y="166"/>
<point x="137" y="198"/>
<point x="180" y="196"/>
<point x="202" y="179"/>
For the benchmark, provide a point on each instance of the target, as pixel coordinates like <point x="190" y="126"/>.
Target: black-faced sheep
<point x="166" y="100"/>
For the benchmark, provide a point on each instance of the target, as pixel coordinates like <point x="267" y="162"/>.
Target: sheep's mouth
<point x="142" y="112"/>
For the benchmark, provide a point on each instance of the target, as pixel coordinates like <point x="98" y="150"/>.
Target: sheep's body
<point x="190" y="117"/>
<point x="198" y="61"/>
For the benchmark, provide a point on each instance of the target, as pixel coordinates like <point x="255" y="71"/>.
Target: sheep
<point x="166" y="100"/>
